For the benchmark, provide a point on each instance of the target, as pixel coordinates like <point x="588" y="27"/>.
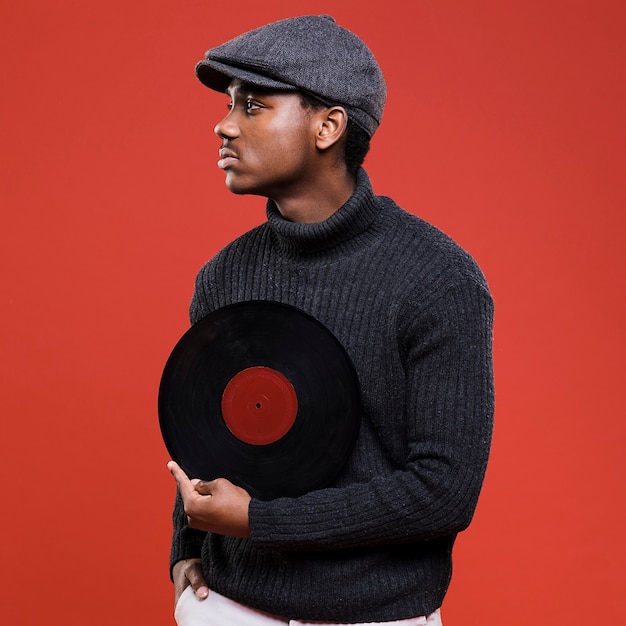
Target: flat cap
<point x="312" y="54"/>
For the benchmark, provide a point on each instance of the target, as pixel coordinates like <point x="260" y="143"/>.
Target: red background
<point x="504" y="127"/>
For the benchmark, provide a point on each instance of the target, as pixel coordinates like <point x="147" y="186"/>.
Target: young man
<point x="410" y="307"/>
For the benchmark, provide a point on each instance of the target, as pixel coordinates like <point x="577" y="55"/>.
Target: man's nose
<point x="227" y="127"/>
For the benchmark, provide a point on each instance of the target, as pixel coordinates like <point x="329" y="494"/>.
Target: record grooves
<point x="263" y="394"/>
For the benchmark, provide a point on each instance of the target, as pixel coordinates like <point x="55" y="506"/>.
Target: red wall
<point x="504" y="127"/>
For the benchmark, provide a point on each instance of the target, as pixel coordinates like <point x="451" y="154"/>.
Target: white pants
<point x="216" y="610"/>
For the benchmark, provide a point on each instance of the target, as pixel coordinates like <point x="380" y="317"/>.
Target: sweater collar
<point x="340" y="231"/>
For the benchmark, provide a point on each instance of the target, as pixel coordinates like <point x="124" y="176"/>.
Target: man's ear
<point x="331" y="126"/>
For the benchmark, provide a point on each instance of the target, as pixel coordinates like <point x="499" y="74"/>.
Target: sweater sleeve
<point x="447" y="363"/>
<point x="186" y="542"/>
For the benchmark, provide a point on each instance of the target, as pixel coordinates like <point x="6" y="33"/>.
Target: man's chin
<point x="235" y="185"/>
<point x="240" y="188"/>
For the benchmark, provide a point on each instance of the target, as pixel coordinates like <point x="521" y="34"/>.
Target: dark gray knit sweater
<point x="414" y="312"/>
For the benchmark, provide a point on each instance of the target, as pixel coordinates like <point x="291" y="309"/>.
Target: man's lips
<point x="227" y="158"/>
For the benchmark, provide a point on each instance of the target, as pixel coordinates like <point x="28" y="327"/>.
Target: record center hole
<point x="258" y="405"/>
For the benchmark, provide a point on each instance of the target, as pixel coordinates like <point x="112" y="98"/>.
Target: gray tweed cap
<point x="311" y="54"/>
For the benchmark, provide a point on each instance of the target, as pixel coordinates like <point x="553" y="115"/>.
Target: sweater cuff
<point x="186" y="544"/>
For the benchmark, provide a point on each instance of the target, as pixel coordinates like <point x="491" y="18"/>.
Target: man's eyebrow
<point x="255" y="90"/>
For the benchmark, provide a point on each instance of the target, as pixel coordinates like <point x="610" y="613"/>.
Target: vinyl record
<point x="263" y="394"/>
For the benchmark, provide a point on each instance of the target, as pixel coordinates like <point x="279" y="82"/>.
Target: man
<point x="410" y="307"/>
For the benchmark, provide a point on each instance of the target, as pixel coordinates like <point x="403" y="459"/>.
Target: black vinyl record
<point x="262" y="394"/>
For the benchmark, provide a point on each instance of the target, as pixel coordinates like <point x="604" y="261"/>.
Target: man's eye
<point x="251" y="105"/>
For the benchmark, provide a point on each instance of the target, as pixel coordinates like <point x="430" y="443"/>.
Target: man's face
<point x="268" y="143"/>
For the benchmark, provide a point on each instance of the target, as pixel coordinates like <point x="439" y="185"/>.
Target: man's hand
<point x="217" y="506"/>
<point x="189" y="572"/>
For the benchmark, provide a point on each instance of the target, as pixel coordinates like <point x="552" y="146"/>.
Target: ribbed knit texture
<point x="414" y="312"/>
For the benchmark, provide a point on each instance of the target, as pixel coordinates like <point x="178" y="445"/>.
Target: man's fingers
<point x="188" y="573"/>
<point x="195" y="577"/>
<point x="203" y="487"/>
<point x="184" y="484"/>
<point x="177" y="471"/>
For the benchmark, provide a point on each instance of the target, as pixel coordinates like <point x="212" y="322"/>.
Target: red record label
<point x="259" y="405"/>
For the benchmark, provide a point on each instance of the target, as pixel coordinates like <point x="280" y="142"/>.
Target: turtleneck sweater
<point x="414" y="312"/>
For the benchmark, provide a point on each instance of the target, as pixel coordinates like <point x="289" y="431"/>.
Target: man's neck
<point x="318" y="202"/>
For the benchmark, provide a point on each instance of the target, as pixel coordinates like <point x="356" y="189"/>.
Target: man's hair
<point x="357" y="140"/>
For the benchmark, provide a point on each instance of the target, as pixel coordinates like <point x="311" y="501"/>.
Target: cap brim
<point x="217" y="76"/>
